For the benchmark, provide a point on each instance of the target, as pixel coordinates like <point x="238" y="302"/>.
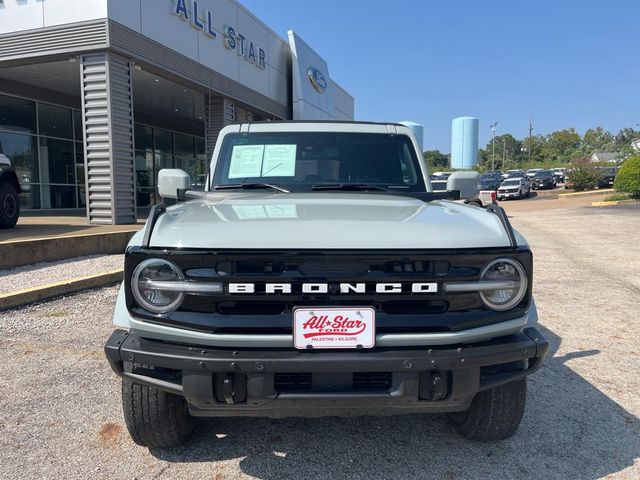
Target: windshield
<point x="300" y="161"/>
<point x="543" y="174"/>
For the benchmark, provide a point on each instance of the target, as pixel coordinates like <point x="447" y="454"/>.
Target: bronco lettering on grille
<point x="337" y="288"/>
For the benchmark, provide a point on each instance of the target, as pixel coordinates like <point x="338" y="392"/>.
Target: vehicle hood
<point x="251" y="220"/>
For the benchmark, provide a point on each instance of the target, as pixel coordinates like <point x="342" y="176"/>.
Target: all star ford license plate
<point x="347" y="327"/>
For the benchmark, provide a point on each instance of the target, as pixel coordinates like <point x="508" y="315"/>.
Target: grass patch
<point x="617" y="197"/>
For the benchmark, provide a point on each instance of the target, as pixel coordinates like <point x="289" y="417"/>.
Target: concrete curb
<point x="18" y="253"/>
<point x="586" y="194"/>
<point x="30" y="295"/>
<point x="611" y="203"/>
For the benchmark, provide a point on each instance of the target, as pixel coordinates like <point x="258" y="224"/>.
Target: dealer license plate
<point x="350" y="327"/>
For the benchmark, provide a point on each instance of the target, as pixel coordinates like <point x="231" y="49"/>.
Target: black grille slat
<point x="372" y="381"/>
<point x="292" y="382"/>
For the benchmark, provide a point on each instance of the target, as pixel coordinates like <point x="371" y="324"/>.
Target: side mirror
<point x="468" y="183"/>
<point x="170" y="180"/>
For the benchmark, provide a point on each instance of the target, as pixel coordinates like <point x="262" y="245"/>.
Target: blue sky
<point x="567" y="63"/>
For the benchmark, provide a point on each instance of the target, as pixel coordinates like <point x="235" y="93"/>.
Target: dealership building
<point x="97" y="95"/>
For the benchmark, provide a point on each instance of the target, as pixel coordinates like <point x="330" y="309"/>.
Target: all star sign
<point x="193" y="12"/>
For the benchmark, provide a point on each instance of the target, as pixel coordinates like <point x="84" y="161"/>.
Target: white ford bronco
<point x="319" y="274"/>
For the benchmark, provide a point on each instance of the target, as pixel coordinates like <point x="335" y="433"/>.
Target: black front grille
<point x="305" y="382"/>
<point x="262" y="312"/>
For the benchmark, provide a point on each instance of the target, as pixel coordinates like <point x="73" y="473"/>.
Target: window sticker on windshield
<point x="246" y="161"/>
<point x="279" y="161"/>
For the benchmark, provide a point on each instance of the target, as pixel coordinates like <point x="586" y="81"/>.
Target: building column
<point x="220" y="112"/>
<point x="107" y="117"/>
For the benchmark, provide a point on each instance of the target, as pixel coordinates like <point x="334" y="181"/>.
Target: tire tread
<point x="153" y="417"/>
<point x="494" y="414"/>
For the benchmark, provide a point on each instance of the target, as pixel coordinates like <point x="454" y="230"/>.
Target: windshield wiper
<point x="350" y="186"/>
<point x="250" y="186"/>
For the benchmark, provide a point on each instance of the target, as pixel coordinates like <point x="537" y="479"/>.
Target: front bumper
<point x="276" y="383"/>
<point x="504" y="194"/>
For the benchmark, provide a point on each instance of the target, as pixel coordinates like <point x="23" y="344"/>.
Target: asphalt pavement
<point x="61" y="414"/>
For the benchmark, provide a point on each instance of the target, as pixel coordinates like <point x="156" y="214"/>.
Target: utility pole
<point x="493" y="144"/>
<point x="504" y="151"/>
<point x="529" y="149"/>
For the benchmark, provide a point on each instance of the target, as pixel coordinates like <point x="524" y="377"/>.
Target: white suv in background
<point x="514" y="188"/>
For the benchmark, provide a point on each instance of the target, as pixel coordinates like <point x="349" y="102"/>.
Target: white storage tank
<point x="464" y="142"/>
<point x="418" y="130"/>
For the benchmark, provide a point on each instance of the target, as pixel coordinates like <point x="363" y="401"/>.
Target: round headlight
<point x="150" y="296"/>
<point x="512" y="275"/>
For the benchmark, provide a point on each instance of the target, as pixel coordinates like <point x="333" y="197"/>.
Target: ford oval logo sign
<point x="316" y="77"/>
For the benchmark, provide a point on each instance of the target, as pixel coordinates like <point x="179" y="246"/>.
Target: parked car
<point x="490" y="181"/>
<point x="543" y="179"/>
<point x="607" y="176"/>
<point x="440" y="175"/>
<point x="514" y="173"/>
<point x="519" y="174"/>
<point x="516" y="187"/>
<point x="560" y="174"/>
<point x="533" y="171"/>
<point x="485" y="197"/>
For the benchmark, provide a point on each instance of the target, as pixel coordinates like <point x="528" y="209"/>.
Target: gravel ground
<point x="44" y="273"/>
<point x="61" y="414"/>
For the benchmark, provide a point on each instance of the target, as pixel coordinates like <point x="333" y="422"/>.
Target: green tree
<point x="560" y="146"/>
<point x="622" y="142"/>
<point x="584" y="173"/>
<point x="436" y="159"/>
<point x="628" y="178"/>
<point x="507" y="148"/>
<point x="596" y="140"/>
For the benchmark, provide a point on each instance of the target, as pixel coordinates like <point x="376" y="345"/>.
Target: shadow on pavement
<point x="570" y="430"/>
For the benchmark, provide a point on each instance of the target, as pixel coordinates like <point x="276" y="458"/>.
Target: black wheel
<point x="9" y="205"/>
<point x="494" y="414"/>
<point x="155" y="418"/>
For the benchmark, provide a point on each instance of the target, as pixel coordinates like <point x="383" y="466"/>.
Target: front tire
<point x="155" y="418"/>
<point x="9" y="205"/>
<point x="494" y="414"/>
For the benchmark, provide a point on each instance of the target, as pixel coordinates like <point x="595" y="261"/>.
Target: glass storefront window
<point x="17" y="114"/>
<point x="55" y="121"/>
<point x="30" y="196"/>
<point x="143" y="137"/>
<point x="163" y="141"/>
<point x="77" y="125"/>
<point x="57" y="162"/>
<point x="22" y="151"/>
<point x="80" y="179"/>
<point x="58" y="196"/>
<point x="201" y="148"/>
<point x="145" y="179"/>
<point x="183" y="145"/>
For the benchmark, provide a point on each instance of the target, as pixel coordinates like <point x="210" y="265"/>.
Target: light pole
<point x="524" y="149"/>
<point x="529" y="146"/>
<point x="493" y="144"/>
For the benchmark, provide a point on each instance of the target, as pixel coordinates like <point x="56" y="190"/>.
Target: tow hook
<point x="227" y="390"/>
